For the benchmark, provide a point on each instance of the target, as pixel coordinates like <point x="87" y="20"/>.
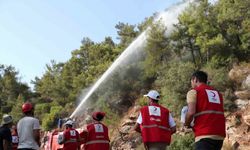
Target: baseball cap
<point x="69" y="122"/>
<point x="153" y="94"/>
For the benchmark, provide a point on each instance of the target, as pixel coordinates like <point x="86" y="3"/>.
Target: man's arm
<point x="191" y="101"/>
<point x="7" y="145"/>
<point x="7" y="140"/>
<point x="36" y="135"/>
<point x="190" y="114"/>
<point x="137" y="127"/>
<point x="36" y="132"/>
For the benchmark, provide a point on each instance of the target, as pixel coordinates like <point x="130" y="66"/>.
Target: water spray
<point x="168" y="18"/>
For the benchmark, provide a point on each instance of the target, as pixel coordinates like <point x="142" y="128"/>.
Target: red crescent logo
<point x="155" y="109"/>
<point x="213" y="93"/>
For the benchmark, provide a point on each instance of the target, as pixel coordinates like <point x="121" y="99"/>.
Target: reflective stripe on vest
<point x="97" y="141"/>
<point x="70" y="141"/>
<point x="155" y="125"/>
<point x="208" y="112"/>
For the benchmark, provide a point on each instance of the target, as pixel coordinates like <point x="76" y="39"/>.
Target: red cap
<point x="97" y="115"/>
<point x="27" y="107"/>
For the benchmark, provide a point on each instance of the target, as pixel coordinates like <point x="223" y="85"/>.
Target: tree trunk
<point x="192" y="51"/>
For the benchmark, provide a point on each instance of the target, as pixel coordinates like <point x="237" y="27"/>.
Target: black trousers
<point x="208" y="144"/>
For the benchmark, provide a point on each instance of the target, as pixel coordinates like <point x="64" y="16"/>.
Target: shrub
<point x="143" y="101"/>
<point x="175" y="83"/>
<point x="181" y="142"/>
<point x="49" y="120"/>
<point x="219" y="80"/>
<point x="218" y="77"/>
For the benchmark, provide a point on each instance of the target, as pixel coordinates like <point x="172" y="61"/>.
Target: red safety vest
<point x="209" y="118"/>
<point x="71" y="139"/>
<point x="15" y="140"/>
<point x="98" y="138"/>
<point x="83" y="137"/>
<point x="155" y="124"/>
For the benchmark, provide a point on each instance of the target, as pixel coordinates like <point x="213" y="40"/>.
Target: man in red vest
<point x="205" y="106"/>
<point x="155" y="123"/>
<point x="97" y="137"/>
<point x="14" y="137"/>
<point x="70" y="137"/>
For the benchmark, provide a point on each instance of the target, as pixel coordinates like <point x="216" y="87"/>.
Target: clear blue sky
<point x="33" y="32"/>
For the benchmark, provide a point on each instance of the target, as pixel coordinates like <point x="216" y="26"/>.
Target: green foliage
<point x="42" y="109"/>
<point x="145" y="24"/>
<point x="143" y="101"/>
<point x="112" y="118"/>
<point x="218" y="77"/>
<point x="16" y="111"/>
<point x="12" y="92"/>
<point x="233" y="21"/>
<point x="181" y="142"/>
<point x="50" y="119"/>
<point x="175" y="83"/>
<point x="157" y="51"/>
<point x="126" y="33"/>
<point x="208" y="37"/>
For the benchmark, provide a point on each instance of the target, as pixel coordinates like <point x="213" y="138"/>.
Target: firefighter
<point x="155" y="123"/>
<point x="97" y="134"/>
<point x="14" y="137"/>
<point x="205" y="103"/>
<point x="70" y="137"/>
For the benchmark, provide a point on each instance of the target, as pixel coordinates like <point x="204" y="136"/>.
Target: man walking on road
<point x="155" y="124"/>
<point x="205" y="106"/>
<point x="28" y="129"/>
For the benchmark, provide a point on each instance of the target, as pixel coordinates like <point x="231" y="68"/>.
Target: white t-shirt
<point x="170" y="120"/>
<point x="25" y="129"/>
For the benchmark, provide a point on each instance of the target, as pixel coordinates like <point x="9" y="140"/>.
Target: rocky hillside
<point x="125" y="137"/>
<point x="238" y="122"/>
<point x="237" y="125"/>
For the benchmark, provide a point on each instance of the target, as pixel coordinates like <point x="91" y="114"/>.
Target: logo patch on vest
<point x="154" y="111"/>
<point x="213" y="96"/>
<point x="15" y="139"/>
<point x="98" y="128"/>
<point x="60" y="138"/>
<point x="72" y="133"/>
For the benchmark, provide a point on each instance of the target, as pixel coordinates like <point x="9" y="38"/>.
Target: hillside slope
<point x="237" y="126"/>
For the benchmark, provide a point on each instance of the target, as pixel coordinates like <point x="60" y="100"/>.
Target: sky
<point x="34" y="32"/>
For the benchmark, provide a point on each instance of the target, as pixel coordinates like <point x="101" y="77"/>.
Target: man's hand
<point x="186" y="129"/>
<point x="173" y="129"/>
<point x="137" y="127"/>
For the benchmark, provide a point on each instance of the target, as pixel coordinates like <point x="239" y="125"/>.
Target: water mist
<point x="134" y="51"/>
